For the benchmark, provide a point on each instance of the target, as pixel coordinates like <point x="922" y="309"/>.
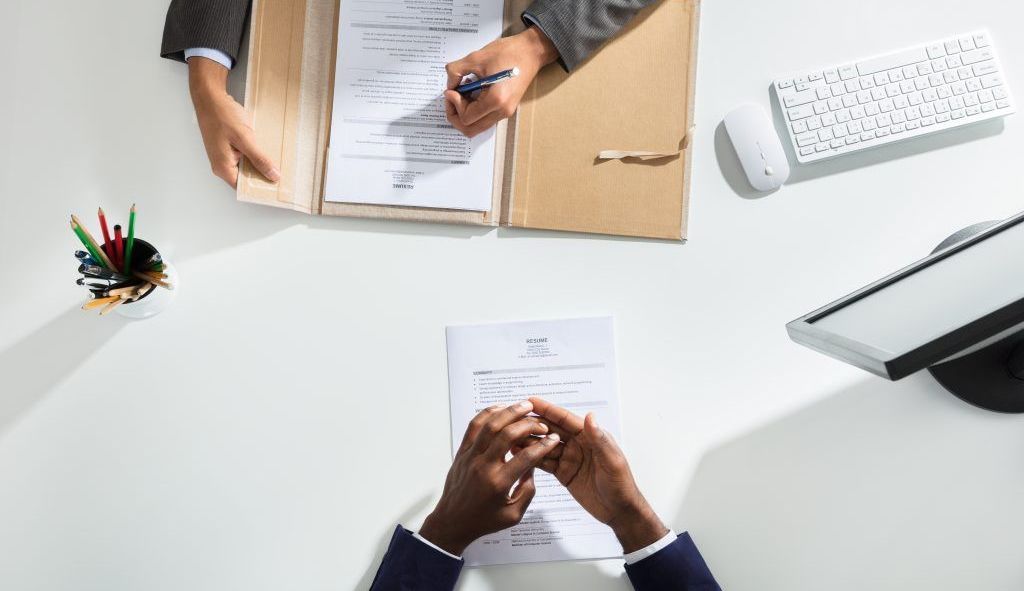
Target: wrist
<point x="637" y="528"/>
<point x="540" y="48"/>
<point x="206" y="79"/>
<point x="439" y="532"/>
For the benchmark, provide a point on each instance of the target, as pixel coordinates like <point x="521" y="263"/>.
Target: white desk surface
<point x="292" y="406"/>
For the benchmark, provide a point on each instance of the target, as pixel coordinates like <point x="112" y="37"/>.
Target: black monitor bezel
<point x="898" y="366"/>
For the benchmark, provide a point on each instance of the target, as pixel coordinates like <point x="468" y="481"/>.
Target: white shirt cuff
<point x="635" y="557"/>
<point x="427" y="542"/>
<point x="213" y="54"/>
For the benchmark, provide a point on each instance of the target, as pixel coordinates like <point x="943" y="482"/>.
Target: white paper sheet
<point x="390" y="142"/>
<point x="572" y="364"/>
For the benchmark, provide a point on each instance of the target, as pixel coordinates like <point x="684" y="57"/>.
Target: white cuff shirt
<point x="213" y="54"/>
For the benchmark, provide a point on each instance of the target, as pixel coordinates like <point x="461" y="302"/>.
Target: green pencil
<point x="91" y="245"/>
<point x="129" y="242"/>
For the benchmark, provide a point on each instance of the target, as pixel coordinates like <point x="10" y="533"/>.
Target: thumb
<point x="525" y="492"/>
<point x="602" y="443"/>
<point x="247" y="145"/>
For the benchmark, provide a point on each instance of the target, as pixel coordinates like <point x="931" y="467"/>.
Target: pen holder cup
<point x="155" y="300"/>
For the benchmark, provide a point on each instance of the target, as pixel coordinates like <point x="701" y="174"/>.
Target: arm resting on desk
<point x="677" y="567"/>
<point x="411" y="564"/>
<point x="213" y="24"/>
<point x="579" y="27"/>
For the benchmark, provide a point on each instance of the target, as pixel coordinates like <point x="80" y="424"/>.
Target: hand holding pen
<point x="500" y="91"/>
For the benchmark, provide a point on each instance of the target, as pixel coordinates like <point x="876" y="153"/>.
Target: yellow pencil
<point x="104" y="259"/>
<point x="142" y="290"/>
<point x="99" y="302"/>
<point x="110" y="307"/>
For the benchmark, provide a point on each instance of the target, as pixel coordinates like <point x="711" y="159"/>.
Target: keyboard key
<point x="824" y="93"/>
<point x="927" y="110"/>
<point x="915" y="98"/>
<point x="942" y="117"/>
<point x="813" y="123"/>
<point x="826" y="135"/>
<point x="971" y="99"/>
<point x="881" y="78"/>
<point x="1002" y="104"/>
<point x="981" y="40"/>
<point x="820" y="107"/>
<point x="843" y="116"/>
<point x="877" y="93"/>
<point x="867" y="136"/>
<point x="871" y="109"/>
<point x="924" y="69"/>
<point x="930" y="95"/>
<point x="898" y="117"/>
<point x="984" y="68"/>
<point x="978" y="55"/>
<point x="901" y="102"/>
<point x="840" y="130"/>
<point x="910" y="72"/>
<point x="847" y="72"/>
<point x="863" y="97"/>
<point x="854" y="127"/>
<point x="971" y="111"/>
<point x="883" y="132"/>
<point x="820" y="147"/>
<point x="802" y="86"/>
<point x="952" y="47"/>
<point x="814" y="76"/>
<point x="956" y="102"/>
<point x="868" y="124"/>
<point x="849" y="100"/>
<point x="838" y="143"/>
<point x="838" y="89"/>
<point x="939" y="66"/>
<point x="966" y="43"/>
<point x="974" y="85"/>
<point x="799" y="126"/>
<point x="988" y="107"/>
<point x="884" y="120"/>
<point x="999" y="92"/>
<point x="911" y="125"/>
<point x="991" y="80"/>
<point x="954" y="61"/>
<point x="805" y="139"/>
<point x="828" y="119"/>
<point x="921" y="83"/>
<point x="950" y="76"/>
<point x="895" y="75"/>
<point x="936" y="50"/>
<point x="907" y="86"/>
<point x="959" y="114"/>
<point x="801" y="112"/>
<point x="959" y="88"/>
<point x="852" y="85"/>
<point x="807" y="151"/>
<point x="927" y="121"/>
<point x="783" y="84"/>
<point x="831" y="76"/>
<point x="834" y="104"/>
<point x="942" y="106"/>
<point x="852" y="139"/>
<point x="799" y="98"/>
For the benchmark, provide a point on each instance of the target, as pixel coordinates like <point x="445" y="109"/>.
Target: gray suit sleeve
<point x="216" y="24"/>
<point x="580" y="27"/>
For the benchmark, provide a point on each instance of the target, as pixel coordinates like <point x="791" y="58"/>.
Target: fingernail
<point x="594" y="421"/>
<point x="553" y="438"/>
<point x="524" y="405"/>
<point x="543" y="426"/>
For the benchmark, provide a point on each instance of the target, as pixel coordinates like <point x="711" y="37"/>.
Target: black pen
<point x="488" y="81"/>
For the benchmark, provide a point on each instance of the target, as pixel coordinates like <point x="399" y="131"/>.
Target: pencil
<point x="85" y="241"/>
<point x="110" y="307"/>
<point x="119" y="247"/>
<point x="153" y="280"/>
<point x="124" y="290"/>
<point x="99" y="302"/>
<point x="130" y="243"/>
<point x="107" y="244"/>
<point x="143" y="290"/>
<point x="90" y="242"/>
<point x="155" y="274"/>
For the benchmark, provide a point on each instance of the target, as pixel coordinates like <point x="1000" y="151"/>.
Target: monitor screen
<point x="929" y="311"/>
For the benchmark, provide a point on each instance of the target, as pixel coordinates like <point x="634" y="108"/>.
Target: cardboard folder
<point x="635" y="94"/>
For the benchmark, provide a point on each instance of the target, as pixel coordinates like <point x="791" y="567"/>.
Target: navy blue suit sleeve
<point x="411" y="565"/>
<point x="676" y="567"/>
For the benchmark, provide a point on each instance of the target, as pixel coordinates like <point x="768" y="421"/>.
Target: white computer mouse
<point x="758" y="147"/>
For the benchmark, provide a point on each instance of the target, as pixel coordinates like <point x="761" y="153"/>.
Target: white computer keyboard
<point x="872" y="102"/>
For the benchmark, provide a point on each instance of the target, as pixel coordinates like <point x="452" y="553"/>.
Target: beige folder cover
<point x="635" y="94"/>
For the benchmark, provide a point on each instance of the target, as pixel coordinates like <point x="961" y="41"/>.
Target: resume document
<point x="568" y="362"/>
<point x="390" y="141"/>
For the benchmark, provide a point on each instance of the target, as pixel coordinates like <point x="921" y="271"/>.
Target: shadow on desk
<point x="882" y="486"/>
<point x="37" y="363"/>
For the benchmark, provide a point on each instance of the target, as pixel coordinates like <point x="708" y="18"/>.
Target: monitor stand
<point x="991" y="378"/>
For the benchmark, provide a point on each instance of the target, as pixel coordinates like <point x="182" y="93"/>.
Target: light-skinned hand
<point x="224" y="124"/>
<point x="477" y="500"/>
<point x="530" y="51"/>
<point x="594" y="469"/>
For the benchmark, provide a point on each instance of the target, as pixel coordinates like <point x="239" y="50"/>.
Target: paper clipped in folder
<point x="603" y="150"/>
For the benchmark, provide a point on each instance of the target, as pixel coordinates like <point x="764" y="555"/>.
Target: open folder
<point x="635" y="95"/>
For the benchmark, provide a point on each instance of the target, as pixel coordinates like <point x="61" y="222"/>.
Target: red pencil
<point x="107" y="245"/>
<point x="118" y="247"/>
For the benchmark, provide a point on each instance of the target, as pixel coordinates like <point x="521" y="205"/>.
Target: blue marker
<point x="471" y="87"/>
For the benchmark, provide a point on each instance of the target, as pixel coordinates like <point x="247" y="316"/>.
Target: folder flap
<point x="635" y="95"/>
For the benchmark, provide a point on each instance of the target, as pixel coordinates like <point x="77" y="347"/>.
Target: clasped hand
<point x="484" y="493"/>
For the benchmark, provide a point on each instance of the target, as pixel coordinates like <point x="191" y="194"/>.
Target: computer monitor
<point x="958" y="312"/>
